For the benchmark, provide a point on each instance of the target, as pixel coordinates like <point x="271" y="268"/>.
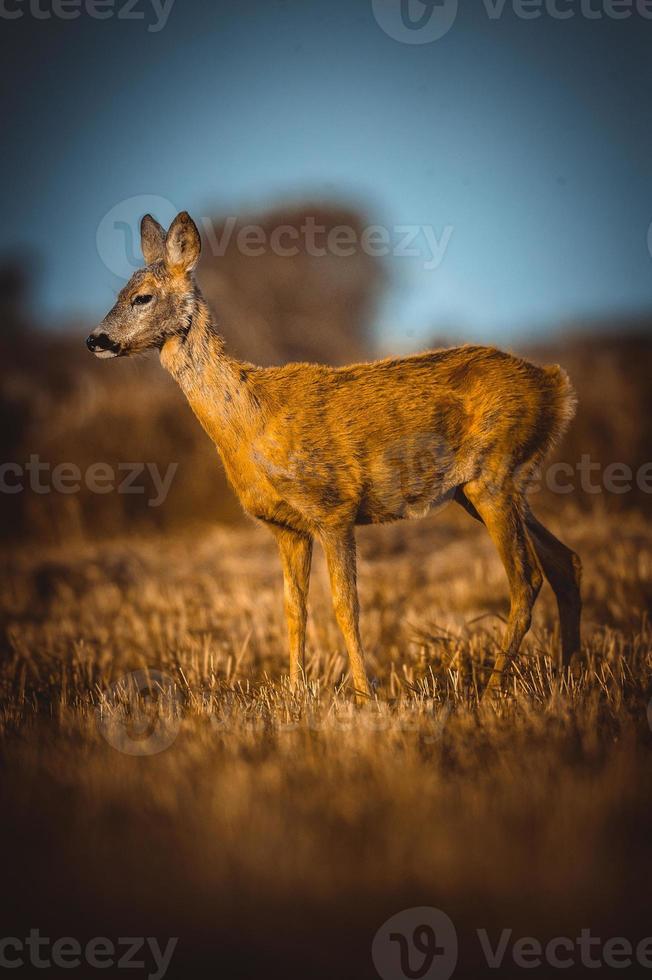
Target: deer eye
<point x="142" y="299"/>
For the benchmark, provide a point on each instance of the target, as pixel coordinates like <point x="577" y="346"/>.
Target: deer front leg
<point x="339" y="548"/>
<point x="296" y="557"/>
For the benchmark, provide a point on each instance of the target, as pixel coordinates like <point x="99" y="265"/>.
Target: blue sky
<point x="530" y="140"/>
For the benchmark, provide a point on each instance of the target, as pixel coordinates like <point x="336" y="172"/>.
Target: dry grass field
<point x="276" y="833"/>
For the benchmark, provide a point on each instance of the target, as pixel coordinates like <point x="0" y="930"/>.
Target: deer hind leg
<point x="501" y="514"/>
<point x="339" y="548"/>
<point x="296" y="557"/>
<point x="563" y="569"/>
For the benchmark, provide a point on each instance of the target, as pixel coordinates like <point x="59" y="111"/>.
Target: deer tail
<point x="562" y="403"/>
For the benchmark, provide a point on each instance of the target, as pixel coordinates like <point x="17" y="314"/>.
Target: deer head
<point x="159" y="300"/>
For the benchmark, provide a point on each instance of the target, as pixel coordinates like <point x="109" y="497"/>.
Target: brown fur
<point x="311" y="450"/>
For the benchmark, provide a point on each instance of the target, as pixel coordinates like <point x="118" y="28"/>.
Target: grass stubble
<point x="276" y="832"/>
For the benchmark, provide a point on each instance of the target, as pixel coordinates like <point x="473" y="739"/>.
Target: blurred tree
<point x="287" y="291"/>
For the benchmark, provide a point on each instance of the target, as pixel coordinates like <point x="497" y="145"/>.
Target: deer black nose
<point x="100" y="341"/>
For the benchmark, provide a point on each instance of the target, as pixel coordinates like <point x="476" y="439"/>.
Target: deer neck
<point x="220" y="390"/>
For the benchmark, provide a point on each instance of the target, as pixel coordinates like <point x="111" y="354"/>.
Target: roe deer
<point x="312" y="450"/>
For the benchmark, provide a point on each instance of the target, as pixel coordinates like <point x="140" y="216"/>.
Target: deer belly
<point x="405" y="484"/>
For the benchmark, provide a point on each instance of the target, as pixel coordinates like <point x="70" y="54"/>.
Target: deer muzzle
<point x="100" y="344"/>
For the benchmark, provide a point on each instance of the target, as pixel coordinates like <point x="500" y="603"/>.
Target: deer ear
<point x="152" y="239"/>
<point x="183" y="244"/>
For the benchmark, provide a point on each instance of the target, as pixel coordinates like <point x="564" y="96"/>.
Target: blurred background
<point x="369" y="177"/>
<point x="415" y="174"/>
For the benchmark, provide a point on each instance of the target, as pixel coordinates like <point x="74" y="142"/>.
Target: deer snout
<point x="100" y="344"/>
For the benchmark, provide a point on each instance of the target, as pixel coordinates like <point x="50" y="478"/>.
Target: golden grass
<point x="277" y="832"/>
